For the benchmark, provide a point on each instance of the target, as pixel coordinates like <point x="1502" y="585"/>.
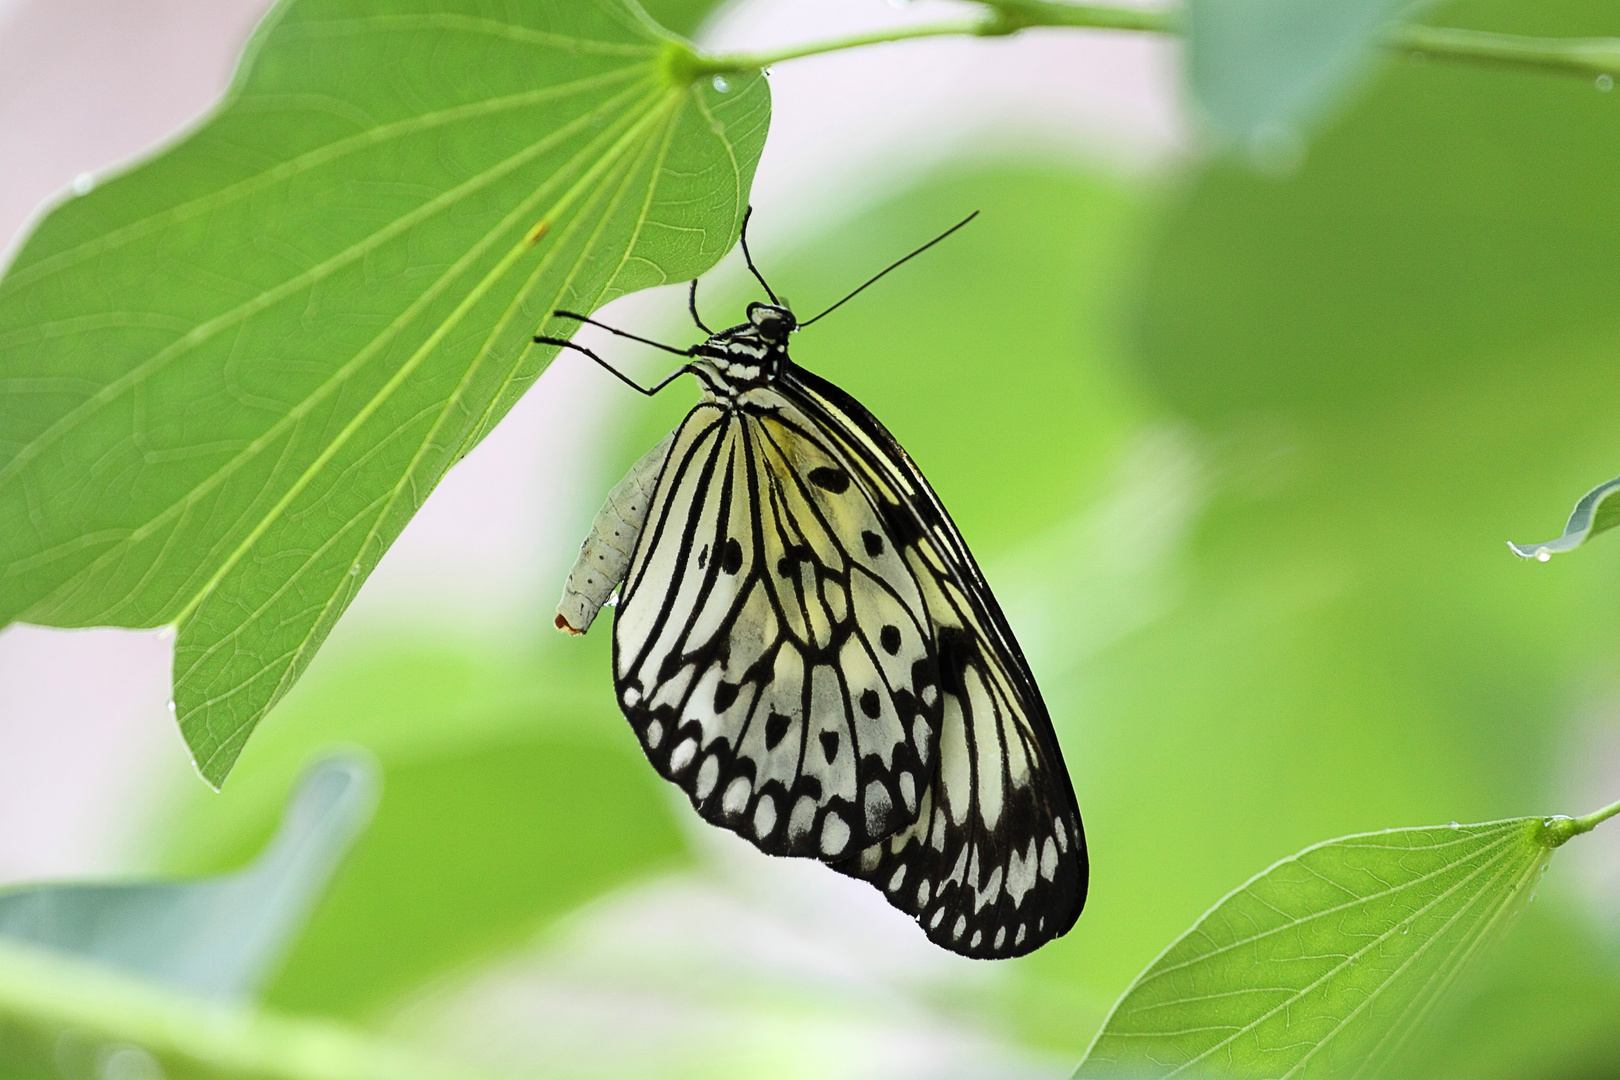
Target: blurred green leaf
<point x="220" y="937"/>
<point x="66" y="1019"/>
<point x="509" y="799"/>
<point x="1262" y="69"/>
<point x="234" y="373"/>
<point x="1597" y="512"/>
<point x="1360" y="356"/>
<point x="1324" y="964"/>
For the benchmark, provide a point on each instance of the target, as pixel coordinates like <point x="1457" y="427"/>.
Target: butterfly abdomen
<point x="605" y="555"/>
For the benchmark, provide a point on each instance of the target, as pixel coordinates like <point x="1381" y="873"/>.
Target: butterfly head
<point x="772" y="322"/>
<point x="747" y="355"/>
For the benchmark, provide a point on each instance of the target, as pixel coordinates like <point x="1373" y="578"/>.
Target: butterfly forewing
<point x="772" y="647"/>
<point x="995" y="864"/>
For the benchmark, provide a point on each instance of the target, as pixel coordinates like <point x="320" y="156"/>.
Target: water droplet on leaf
<point x="1542" y="555"/>
<point x="1605" y="83"/>
<point x="83" y="183"/>
<point x="720" y="84"/>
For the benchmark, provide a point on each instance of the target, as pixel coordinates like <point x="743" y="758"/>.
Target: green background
<point x="1240" y="453"/>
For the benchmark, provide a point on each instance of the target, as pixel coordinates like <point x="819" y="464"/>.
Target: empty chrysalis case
<point x="605" y="555"/>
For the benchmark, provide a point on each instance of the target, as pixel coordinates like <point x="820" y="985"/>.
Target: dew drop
<point x="720" y="84"/>
<point x="1454" y="825"/>
<point x="171" y="705"/>
<point x="353" y="570"/>
<point x="1605" y="83"/>
<point x="83" y="183"/>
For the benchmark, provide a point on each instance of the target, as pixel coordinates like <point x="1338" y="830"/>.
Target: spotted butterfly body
<point x="805" y="645"/>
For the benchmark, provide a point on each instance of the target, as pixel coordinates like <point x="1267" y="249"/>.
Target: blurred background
<point x="1238" y="445"/>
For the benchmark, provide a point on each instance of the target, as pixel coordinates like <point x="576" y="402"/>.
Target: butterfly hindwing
<point x="772" y="647"/>
<point x="995" y="864"/>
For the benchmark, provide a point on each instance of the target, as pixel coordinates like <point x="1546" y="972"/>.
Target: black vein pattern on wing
<point x="722" y="628"/>
<point x="989" y="870"/>
<point x="898" y="788"/>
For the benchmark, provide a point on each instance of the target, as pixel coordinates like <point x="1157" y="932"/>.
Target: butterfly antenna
<point x="892" y="266"/>
<point x="750" y="259"/>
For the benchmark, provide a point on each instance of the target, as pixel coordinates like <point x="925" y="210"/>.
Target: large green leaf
<point x="232" y="375"/>
<point x="1324" y="964"/>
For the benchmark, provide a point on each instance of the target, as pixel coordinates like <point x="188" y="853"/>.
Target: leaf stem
<point x="1557" y="830"/>
<point x="1003" y="17"/>
<point x="1587" y="56"/>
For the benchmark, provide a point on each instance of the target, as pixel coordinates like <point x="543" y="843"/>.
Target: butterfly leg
<point x="617" y="374"/>
<point x="691" y="303"/>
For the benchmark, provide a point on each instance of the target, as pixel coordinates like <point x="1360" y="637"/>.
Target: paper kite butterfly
<point x="805" y="645"/>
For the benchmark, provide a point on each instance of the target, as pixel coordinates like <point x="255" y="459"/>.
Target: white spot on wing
<point x="708" y="775"/>
<point x="736" y="797"/>
<point x="834" y="834"/>
<point x="803" y="816"/>
<point x="764" y="817"/>
<point x="682" y="755"/>
<point x="1021" y="874"/>
<point x="878" y="805"/>
<point x="1049" y="859"/>
<point x="655" y="733"/>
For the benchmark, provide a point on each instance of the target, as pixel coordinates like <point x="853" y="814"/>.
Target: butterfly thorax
<point x="746" y="356"/>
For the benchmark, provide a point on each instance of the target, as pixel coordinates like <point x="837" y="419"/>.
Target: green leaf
<point x="1261" y="69"/>
<point x="233" y="374"/>
<point x="217" y="937"/>
<point x="1596" y="513"/>
<point x="61" y="1017"/>
<point x="1323" y="964"/>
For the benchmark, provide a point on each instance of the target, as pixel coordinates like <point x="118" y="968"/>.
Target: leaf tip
<point x="1538" y="552"/>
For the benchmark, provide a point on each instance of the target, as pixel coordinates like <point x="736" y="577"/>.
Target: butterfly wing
<point x="995" y="864"/>
<point x="771" y="650"/>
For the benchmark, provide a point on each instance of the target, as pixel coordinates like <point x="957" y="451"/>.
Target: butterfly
<point x="804" y="644"/>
